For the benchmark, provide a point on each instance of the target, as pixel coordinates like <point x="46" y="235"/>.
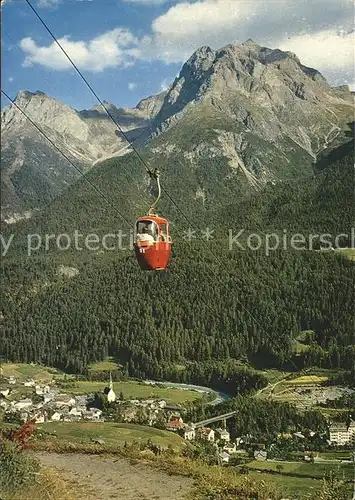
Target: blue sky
<point x="129" y="49"/>
<point x="81" y="21"/>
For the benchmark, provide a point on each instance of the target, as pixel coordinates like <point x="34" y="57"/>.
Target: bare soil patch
<point x="110" y="478"/>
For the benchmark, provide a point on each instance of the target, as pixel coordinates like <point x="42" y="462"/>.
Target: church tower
<point x="110" y="393"/>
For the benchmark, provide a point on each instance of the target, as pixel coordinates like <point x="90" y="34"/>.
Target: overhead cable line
<point x="117" y="125"/>
<point x="151" y="173"/>
<point x="82" y="174"/>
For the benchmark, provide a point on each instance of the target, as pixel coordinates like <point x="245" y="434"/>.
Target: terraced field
<point x="307" y="380"/>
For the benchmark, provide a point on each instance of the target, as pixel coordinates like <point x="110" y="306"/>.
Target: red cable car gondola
<point x="153" y="242"/>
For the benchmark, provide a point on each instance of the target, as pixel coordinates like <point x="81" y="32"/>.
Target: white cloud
<point x="11" y="79"/>
<point x="317" y="31"/>
<point x="48" y="3"/>
<point x="188" y="25"/>
<point x="329" y="51"/>
<point x="147" y="2"/>
<point x="164" y="85"/>
<point x="327" y="48"/>
<point x="132" y="86"/>
<point x="112" y="49"/>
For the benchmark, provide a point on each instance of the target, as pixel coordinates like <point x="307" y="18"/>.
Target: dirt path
<point x="110" y="478"/>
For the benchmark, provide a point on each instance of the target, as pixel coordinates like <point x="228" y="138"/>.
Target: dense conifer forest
<point x="212" y="304"/>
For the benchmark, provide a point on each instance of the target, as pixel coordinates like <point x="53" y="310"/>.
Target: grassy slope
<point x="105" y="365"/>
<point x="316" y="469"/>
<point x="214" y="479"/>
<point x="49" y="485"/>
<point x="22" y="371"/>
<point x="113" y="434"/>
<point x="292" y="487"/>
<point x="349" y="253"/>
<point x="295" y="486"/>
<point x="131" y="389"/>
<point x="307" y="380"/>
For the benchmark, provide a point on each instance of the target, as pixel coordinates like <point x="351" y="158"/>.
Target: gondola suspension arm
<point x="155" y="175"/>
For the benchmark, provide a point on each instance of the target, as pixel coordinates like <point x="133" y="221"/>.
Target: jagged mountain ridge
<point x="274" y="109"/>
<point x="258" y="110"/>
<point x="33" y="172"/>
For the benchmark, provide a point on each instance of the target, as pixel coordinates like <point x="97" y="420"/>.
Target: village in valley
<point x="48" y="403"/>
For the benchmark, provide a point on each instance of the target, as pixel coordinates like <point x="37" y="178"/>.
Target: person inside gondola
<point x="146" y="234"/>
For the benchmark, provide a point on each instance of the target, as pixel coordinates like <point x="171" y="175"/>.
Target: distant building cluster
<point x="46" y="403"/>
<point x="52" y="406"/>
<point x="220" y="437"/>
<point x="342" y="434"/>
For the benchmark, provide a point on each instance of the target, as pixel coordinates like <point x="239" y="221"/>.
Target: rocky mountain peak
<point x="26" y="95"/>
<point x="249" y="54"/>
<point x="200" y="61"/>
<point x="198" y="65"/>
<point x="186" y="86"/>
<point x="30" y="164"/>
<point x="250" y="43"/>
<point x="259" y="107"/>
<point x="271" y="77"/>
<point x="271" y="101"/>
<point x="150" y="106"/>
<point x="24" y="100"/>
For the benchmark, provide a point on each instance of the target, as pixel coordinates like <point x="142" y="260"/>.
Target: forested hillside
<point x="211" y="304"/>
<point x="33" y="171"/>
<point x="246" y="305"/>
<point x="321" y="203"/>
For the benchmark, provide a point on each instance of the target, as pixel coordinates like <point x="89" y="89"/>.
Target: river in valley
<point x="220" y="396"/>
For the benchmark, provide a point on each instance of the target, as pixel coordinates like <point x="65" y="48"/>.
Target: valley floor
<point x="113" y="478"/>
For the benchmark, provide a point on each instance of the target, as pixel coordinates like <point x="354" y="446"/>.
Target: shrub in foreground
<point x="17" y="468"/>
